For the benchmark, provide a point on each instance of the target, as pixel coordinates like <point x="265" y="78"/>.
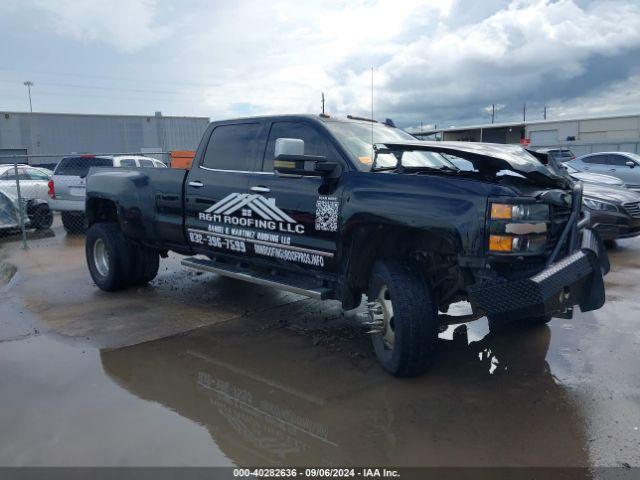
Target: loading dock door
<point x="543" y="137"/>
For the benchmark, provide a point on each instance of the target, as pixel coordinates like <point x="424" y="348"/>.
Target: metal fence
<point x="42" y="196"/>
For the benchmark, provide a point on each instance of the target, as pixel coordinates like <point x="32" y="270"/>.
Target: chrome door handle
<point x="260" y="189"/>
<point x="196" y="184"/>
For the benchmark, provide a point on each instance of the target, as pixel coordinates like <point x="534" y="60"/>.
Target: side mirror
<point x="291" y="160"/>
<point x="630" y="164"/>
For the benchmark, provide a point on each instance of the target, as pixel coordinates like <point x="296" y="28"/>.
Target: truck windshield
<point x="356" y="138"/>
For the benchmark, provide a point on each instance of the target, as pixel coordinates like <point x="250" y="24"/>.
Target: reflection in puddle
<point x="273" y="398"/>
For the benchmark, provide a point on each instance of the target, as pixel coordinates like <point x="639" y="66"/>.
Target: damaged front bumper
<point x="576" y="279"/>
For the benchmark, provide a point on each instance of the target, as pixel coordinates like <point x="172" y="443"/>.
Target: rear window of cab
<point x="79" y="166"/>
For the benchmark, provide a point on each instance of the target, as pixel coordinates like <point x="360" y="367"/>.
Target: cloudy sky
<point x="435" y="62"/>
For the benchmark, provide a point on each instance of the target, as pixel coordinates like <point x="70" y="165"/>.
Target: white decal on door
<point x="250" y="206"/>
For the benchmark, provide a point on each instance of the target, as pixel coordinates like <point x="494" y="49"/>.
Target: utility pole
<point x="31" y="150"/>
<point x="493" y="112"/>
<point x="524" y="112"/>
<point x="544" y="114"/>
<point x="322" y="103"/>
<point x="29" y="84"/>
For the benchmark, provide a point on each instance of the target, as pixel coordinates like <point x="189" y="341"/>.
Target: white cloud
<point x="620" y="98"/>
<point x="509" y="54"/>
<point x="127" y="25"/>
<point x="436" y="61"/>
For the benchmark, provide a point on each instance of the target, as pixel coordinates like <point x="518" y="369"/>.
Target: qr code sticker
<point x="327" y="214"/>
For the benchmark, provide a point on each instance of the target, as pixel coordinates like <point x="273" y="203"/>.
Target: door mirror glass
<point x="630" y="164"/>
<point x="289" y="146"/>
<point x="291" y="160"/>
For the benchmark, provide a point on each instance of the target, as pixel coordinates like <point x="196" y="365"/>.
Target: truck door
<point x="217" y="183"/>
<point x="303" y="212"/>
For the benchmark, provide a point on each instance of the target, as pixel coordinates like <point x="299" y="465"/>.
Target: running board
<point x="275" y="281"/>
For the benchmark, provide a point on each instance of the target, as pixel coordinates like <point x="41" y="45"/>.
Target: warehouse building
<point x="58" y="134"/>
<point x="581" y="135"/>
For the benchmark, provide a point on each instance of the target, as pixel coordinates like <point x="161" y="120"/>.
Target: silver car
<point x="67" y="189"/>
<point x="623" y="165"/>
<point x="33" y="181"/>
<point x="594" y="178"/>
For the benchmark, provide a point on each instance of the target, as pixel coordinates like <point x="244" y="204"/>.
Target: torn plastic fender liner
<point x="574" y="280"/>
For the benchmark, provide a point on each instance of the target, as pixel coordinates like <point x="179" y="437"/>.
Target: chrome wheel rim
<point x="101" y="257"/>
<point x="388" y="331"/>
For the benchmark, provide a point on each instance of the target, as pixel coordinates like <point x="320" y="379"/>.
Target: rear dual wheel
<point x="114" y="262"/>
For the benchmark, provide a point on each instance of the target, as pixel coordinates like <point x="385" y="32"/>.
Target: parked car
<point x="593" y="178"/>
<point x="623" y="165"/>
<point x="33" y="181"/>
<point x="307" y="204"/>
<point x="559" y="154"/>
<point x="37" y="213"/>
<point x="67" y="186"/>
<point x="615" y="212"/>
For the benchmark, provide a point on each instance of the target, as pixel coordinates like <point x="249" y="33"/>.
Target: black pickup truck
<point x="335" y="209"/>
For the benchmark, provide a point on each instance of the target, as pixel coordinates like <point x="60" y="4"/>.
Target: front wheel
<point x="406" y="317"/>
<point x="108" y="256"/>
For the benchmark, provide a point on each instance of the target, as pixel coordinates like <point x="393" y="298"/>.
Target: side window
<point x="23" y="175"/>
<point x="314" y="143"/>
<point x="600" y="159"/>
<point x="159" y="165"/>
<point x="145" y="163"/>
<point x="617" y="160"/>
<point x="8" y="175"/>
<point x="232" y="147"/>
<point x="37" y="174"/>
<point x="128" y="162"/>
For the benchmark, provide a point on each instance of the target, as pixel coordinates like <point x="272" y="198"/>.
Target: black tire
<point x="74" y="222"/>
<point x="414" y="320"/>
<point x="42" y="218"/>
<point x="116" y="275"/>
<point x="144" y="266"/>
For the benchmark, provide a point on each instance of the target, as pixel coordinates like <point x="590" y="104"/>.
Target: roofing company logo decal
<point x="248" y="205"/>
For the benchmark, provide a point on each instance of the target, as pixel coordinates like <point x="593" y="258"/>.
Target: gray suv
<point x="67" y="187"/>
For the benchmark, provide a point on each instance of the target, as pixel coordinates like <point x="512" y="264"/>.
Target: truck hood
<point x="494" y="158"/>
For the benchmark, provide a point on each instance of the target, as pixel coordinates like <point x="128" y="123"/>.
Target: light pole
<point x="29" y="84"/>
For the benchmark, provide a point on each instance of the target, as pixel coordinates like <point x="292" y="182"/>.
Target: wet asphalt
<point x="197" y="369"/>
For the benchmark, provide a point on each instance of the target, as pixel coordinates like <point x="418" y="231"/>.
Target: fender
<point x="149" y="202"/>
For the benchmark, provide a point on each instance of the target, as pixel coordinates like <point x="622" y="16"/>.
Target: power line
<point x="163" y="92"/>
<point x="107" y="77"/>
